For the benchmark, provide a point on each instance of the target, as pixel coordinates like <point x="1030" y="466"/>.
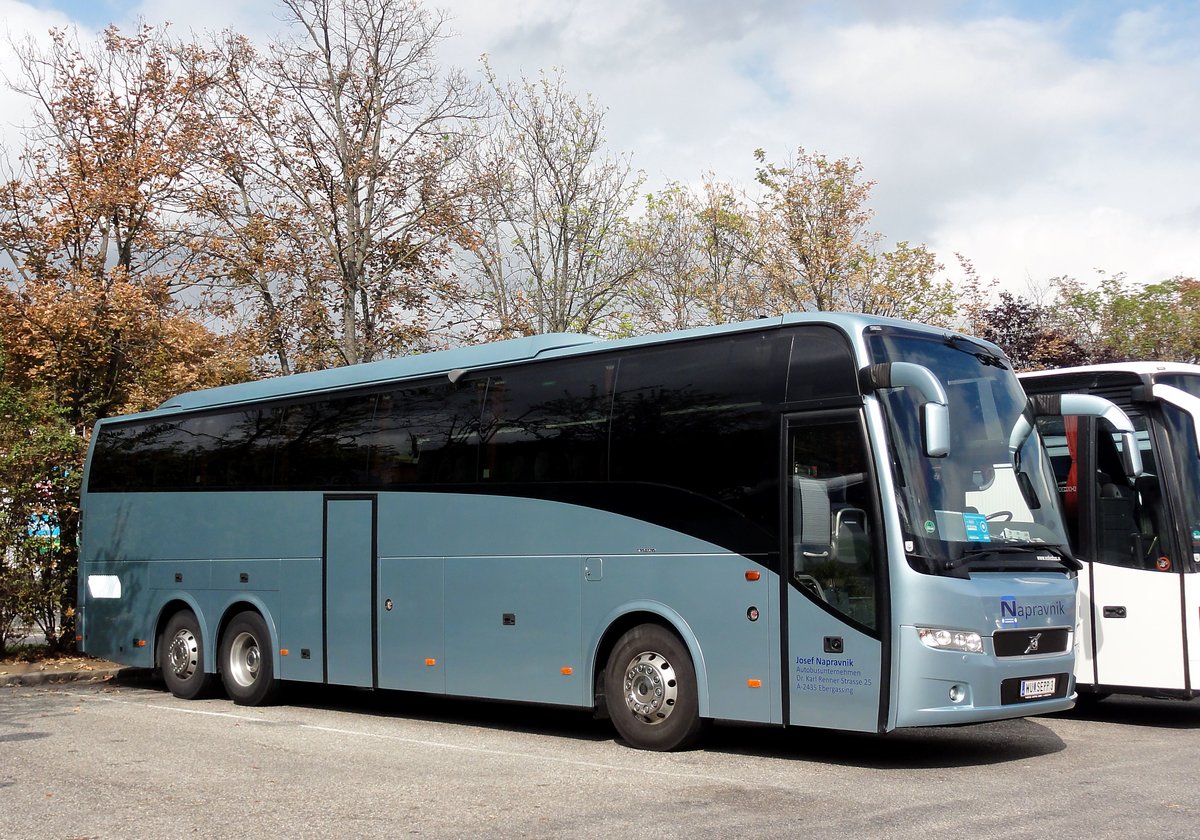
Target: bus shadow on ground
<point x="1160" y="713"/>
<point x="938" y="747"/>
<point x="488" y="714"/>
<point x="925" y="748"/>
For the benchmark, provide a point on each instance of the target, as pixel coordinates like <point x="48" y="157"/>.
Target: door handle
<point x="1115" y="612"/>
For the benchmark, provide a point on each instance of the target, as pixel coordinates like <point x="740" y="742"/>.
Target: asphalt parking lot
<point x="111" y="760"/>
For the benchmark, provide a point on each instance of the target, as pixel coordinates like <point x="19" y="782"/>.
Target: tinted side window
<point x="548" y="422"/>
<point x="822" y="367"/>
<point x="427" y="435"/>
<point x="234" y="449"/>
<point x="229" y="450"/>
<point x="1187" y="382"/>
<point x="127" y="457"/>
<point x="703" y="417"/>
<point x="325" y="443"/>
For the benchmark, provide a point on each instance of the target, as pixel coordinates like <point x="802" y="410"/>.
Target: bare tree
<point x="822" y="254"/>
<point x="552" y="250"/>
<point x="702" y="259"/>
<point x="353" y="167"/>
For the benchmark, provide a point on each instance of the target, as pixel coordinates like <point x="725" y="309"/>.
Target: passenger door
<point x="834" y="582"/>
<point x="1130" y="592"/>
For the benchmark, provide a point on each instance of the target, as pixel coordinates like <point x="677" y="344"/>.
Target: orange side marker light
<point x="752" y="575"/>
<point x="754" y="683"/>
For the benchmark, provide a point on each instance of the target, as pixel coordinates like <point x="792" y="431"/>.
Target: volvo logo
<point x="1033" y="643"/>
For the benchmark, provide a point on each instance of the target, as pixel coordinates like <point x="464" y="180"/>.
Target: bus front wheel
<point x="650" y="690"/>
<point x="247" y="669"/>
<point x="181" y="657"/>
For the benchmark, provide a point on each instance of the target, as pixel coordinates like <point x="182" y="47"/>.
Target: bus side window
<point x="702" y="417"/>
<point x="1150" y="519"/>
<point x="548" y="422"/>
<point x="427" y="434"/>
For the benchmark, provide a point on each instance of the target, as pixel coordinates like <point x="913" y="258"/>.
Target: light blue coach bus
<point x="824" y="520"/>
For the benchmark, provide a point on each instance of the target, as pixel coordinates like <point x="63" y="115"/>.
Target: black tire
<point x="247" y="668"/>
<point x="181" y="657"/>
<point x="650" y="690"/>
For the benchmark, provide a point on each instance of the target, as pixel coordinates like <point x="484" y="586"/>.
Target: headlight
<point x="963" y="641"/>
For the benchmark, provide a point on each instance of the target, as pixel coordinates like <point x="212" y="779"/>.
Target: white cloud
<point x="1039" y="144"/>
<point x="19" y="21"/>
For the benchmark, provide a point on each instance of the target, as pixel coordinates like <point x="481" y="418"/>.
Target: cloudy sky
<point x="1035" y="137"/>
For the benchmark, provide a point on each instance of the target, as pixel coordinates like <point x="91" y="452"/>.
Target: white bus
<point x="1139" y="590"/>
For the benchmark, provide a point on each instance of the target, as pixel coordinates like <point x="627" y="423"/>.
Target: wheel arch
<point x="623" y="619"/>
<point x="255" y="605"/>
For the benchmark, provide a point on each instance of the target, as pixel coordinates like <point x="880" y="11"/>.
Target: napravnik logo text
<point x="1013" y="612"/>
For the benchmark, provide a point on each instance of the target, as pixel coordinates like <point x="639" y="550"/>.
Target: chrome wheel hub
<point x="244" y="659"/>
<point x="183" y="654"/>
<point x="650" y="687"/>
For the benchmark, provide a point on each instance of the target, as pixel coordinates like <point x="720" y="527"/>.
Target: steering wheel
<point x="1001" y="515"/>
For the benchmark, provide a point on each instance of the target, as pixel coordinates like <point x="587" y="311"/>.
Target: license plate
<point x="1041" y="687"/>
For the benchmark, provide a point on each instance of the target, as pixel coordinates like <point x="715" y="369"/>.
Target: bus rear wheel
<point x="181" y="657"/>
<point x="650" y="690"/>
<point x="247" y="669"/>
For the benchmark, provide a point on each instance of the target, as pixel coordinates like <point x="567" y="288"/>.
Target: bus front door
<point x="833" y="588"/>
<point x="349" y="559"/>
<point x="1134" y="579"/>
<point x="1130" y="592"/>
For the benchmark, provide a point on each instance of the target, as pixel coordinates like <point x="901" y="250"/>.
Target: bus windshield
<point x="992" y="502"/>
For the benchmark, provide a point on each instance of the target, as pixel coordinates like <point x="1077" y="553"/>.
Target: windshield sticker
<point x="929" y="526"/>
<point x="976" y="527"/>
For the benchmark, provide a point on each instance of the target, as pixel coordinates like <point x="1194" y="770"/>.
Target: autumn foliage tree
<point x="1028" y="333"/>
<point x="821" y="253"/>
<point x="89" y="224"/>
<point x="702" y="262"/>
<point x="1119" y="320"/>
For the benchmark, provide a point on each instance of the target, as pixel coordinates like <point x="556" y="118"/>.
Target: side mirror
<point x="935" y="410"/>
<point x="1089" y="405"/>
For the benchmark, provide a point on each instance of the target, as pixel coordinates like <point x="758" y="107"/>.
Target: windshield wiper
<point x="985" y="356"/>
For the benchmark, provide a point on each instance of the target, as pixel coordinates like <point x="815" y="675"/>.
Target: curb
<point x="116" y="674"/>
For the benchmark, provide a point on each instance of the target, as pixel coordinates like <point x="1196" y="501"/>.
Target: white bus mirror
<point x="1089" y="405"/>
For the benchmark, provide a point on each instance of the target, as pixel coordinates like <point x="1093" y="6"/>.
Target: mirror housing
<point x="935" y="410"/>
<point x="1089" y="405"/>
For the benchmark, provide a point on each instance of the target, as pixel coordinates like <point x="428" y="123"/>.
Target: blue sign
<point x="977" y="527"/>
<point x="41" y="526"/>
